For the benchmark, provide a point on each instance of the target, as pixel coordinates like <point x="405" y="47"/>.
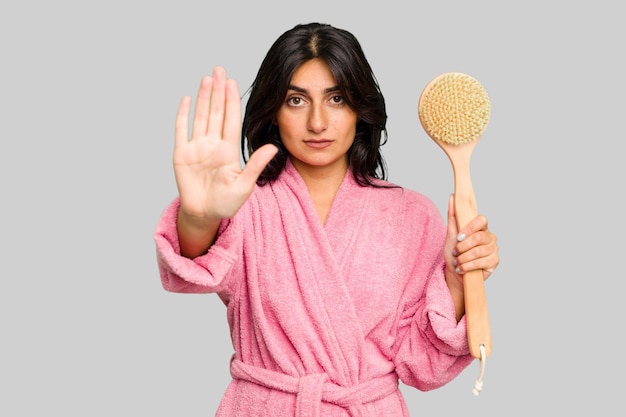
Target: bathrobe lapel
<point x="322" y="251"/>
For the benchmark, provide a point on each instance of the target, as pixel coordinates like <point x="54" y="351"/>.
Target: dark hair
<point x="343" y="54"/>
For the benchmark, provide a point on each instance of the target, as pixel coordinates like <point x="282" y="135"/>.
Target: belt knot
<point x="311" y="390"/>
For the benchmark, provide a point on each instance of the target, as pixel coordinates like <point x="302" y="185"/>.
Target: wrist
<point x="195" y="234"/>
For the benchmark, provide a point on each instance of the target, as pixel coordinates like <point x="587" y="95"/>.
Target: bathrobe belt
<point x="312" y="390"/>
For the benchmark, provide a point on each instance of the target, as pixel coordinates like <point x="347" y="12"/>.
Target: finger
<point x="487" y="264"/>
<point x="182" y="122"/>
<point x="481" y="243"/>
<point x="480" y="252"/>
<point x="478" y="223"/>
<point x="232" y="120"/>
<point x="203" y="100"/>
<point x="452" y="226"/>
<point x="217" y="104"/>
<point x="257" y="162"/>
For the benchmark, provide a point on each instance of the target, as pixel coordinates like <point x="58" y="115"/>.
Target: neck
<point x="322" y="184"/>
<point x="325" y="179"/>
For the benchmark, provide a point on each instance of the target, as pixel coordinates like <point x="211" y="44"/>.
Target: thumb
<point x="257" y="162"/>
<point x="452" y="226"/>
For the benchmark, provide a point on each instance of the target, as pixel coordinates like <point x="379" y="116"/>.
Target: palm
<point x="210" y="180"/>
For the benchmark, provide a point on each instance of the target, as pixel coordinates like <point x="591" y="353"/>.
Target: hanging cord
<point x="478" y="386"/>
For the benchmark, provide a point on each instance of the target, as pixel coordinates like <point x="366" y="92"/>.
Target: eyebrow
<point x="305" y="91"/>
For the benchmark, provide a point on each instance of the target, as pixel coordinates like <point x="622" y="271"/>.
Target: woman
<point x="337" y="283"/>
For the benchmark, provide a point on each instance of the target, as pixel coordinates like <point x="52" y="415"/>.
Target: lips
<point x="318" y="143"/>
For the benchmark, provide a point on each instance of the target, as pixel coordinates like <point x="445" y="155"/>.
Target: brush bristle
<point x="454" y="108"/>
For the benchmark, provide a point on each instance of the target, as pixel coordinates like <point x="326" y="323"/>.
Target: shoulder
<point x="406" y="197"/>
<point x="409" y="209"/>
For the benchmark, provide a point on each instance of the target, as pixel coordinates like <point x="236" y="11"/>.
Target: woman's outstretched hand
<point x="211" y="182"/>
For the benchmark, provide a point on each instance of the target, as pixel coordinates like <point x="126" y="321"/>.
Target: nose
<point x="318" y="119"/>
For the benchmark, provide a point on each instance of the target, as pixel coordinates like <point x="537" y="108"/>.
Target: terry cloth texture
<point x="325" y="318"/>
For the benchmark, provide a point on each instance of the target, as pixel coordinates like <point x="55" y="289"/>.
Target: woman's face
<point x="316" y="125"/>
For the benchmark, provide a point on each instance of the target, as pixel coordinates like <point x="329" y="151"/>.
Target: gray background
<point x="89" y="92"/>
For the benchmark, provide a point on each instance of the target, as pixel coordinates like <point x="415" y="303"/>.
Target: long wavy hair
<point x="344" y="56"/>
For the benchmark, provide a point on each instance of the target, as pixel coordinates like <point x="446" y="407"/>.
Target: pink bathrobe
<point x="325" y="318"/>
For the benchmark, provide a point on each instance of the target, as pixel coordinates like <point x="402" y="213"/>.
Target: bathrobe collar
<point x="323" y="251"/>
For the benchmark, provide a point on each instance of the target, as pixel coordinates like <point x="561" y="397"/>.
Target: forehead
<point x="313" y="75"/>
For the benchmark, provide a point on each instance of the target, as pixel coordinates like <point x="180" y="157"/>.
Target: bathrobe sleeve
<point x="431" y="348"/>
<point x="211" y="272"/>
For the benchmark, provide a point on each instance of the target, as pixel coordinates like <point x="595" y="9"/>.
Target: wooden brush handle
<point x="476" y="314"/>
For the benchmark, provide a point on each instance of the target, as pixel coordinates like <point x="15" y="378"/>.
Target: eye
<point x="337" y="99"/>
<point x="295" y="101"/>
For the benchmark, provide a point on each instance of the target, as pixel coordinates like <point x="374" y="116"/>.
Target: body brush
<point x="454" y="110"/>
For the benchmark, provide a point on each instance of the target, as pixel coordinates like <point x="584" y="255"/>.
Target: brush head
<point x="454" y="108"/>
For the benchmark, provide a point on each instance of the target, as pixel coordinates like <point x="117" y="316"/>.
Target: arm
<point x="209" y="272"/>
<point x="430" y="344"/>
<point x="432" y="347"/>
